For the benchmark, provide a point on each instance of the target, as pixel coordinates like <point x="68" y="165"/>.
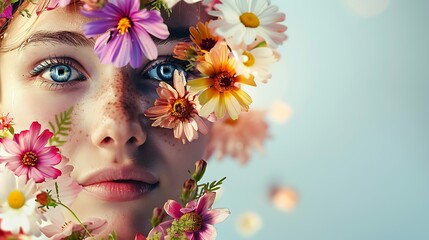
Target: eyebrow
<point x="79" y="40"/>
<point x="58" y="37"/>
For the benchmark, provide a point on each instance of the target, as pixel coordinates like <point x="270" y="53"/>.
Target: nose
<point x="119" y="115"/>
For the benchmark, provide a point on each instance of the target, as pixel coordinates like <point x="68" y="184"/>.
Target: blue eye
<point x="58" y="70"/>
<point x="163" y="71"/>
<point x="60" y="73"/>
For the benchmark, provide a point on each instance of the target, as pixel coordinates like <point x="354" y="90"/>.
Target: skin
<point x="109" y="129"/>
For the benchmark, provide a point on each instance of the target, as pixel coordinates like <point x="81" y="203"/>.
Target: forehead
<point x="70" y="19"/>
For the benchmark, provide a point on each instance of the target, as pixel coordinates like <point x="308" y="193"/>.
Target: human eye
<point x="163" y="68"/>
<point x="58" y="71"/>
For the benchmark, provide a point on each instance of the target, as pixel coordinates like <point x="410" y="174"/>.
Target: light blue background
<point x="356" y="146"/>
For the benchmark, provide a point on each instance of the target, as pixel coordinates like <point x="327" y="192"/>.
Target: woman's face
<point x="126" y="166"/>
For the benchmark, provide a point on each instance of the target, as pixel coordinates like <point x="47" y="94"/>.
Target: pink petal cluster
<point x="125" y="30"/>
<point x="177" y="109"/>
<point x="29" y="155"/>
<point x="237" y="138"/>
<point x="61" y="229"/>
<point x="200" y="210"/>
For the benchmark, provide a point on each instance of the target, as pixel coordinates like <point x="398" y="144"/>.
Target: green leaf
<point x="61" y="128"/>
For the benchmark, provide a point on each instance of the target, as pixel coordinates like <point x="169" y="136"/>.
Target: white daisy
<point x="244" y="20"/>
<point x="18" y="206"/>
<point x="255" y="61"/>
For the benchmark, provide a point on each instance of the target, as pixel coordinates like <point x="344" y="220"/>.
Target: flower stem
<point x="74" y="215"/>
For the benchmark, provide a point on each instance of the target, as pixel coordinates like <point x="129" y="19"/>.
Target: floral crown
<point x="224" y="54"/>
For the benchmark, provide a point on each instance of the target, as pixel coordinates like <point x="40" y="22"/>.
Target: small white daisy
<point x="244" y="20"/>
<point x="254" y="61"/>
<point x="18" y="206"/>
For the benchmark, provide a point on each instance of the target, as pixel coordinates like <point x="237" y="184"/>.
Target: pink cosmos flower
<point x="237" y="138"/>
<point x="125" y="30"/>
<point x="177" y="109"/>
<point x="29" y="156"/>
<point x="200" y="213"/>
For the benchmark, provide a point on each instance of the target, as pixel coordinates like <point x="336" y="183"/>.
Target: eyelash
<point x="53" y="61"/>
<point x="167" y="59"/>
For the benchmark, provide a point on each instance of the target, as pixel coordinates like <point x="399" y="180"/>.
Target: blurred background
<point x="349" y="157"/>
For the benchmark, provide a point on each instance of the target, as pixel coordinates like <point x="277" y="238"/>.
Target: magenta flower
<point x="125" y="32"/>
<point x="198" y="216"/>
<point x="7" y="12"/>
<point x="29" y="156"/>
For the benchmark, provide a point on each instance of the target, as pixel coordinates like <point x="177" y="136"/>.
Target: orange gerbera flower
<point x="202" y="36"/>
<point x="221" y="89"/>
<point x="177" y="109"/>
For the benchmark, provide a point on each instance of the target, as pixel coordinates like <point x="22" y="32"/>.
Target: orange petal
<point x="199" y="84"/>
<point x="233" y="106"/>
<point x="248" y="81"/>
<point x="220" y="109"/>
<point x="210" y="106"/>
<point x="242" y="97"/>
<point x="207" y="95"/>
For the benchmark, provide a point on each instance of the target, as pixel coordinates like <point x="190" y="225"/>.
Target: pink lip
<point x="119" y="185"/>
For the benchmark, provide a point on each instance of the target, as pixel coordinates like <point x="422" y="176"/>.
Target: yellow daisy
<point x="202" y="36"/>
<point x="221" y="89"/>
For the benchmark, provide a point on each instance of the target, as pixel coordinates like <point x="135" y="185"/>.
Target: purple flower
<point x="125" y="30"/>
<point x="198" y="216"/>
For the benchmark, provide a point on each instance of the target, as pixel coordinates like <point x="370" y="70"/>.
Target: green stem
<point x="71" y="211"/>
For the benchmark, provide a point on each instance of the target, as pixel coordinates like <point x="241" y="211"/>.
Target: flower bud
<point x="188" y="189"/>
<point x="139" y="236"/>
<point x="200" y="168"/>
<point x="157" y="216"/>
<point x="43" y="198"/>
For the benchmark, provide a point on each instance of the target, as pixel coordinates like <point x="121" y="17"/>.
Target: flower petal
<point x="172" y="208"/>
<point x="205" y="202"/>
<point x="215" y="216"/>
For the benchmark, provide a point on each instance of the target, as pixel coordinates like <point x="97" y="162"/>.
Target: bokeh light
<point x="284" y="198"/>
<point x="368" y="8"/>
<point x="248" y="224"/>
<point x="279" y="112"/>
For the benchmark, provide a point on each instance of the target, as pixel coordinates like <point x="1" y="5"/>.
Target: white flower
<point x="255" y="61"/>
<point x="246" y="19"/>
<point x="18" y="206"/>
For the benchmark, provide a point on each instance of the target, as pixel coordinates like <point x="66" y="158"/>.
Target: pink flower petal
<point x="172" y="208"/>
<point x="10" y="146"/>
<point x="205" y="202"/>
<point x="215" y="216"/>
<point x="207" y="232"/>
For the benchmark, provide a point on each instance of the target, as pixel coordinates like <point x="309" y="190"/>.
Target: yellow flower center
<point x="249" y="19"/>
<point x="29" y="159"/>
<point x="231" y="122"/>
<point x="123" y="25"/>
<point x="223" y="81"/>
<point x="207" y="44"/>
<point x="16" y="199"/>
<point x="181" y="108"/>
<point x="192" y="222"/>
<point x="248" y="58"/>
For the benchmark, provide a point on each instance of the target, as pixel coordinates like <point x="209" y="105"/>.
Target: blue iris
<point x="166" y="71"/>
<point x="60" y="73"/>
